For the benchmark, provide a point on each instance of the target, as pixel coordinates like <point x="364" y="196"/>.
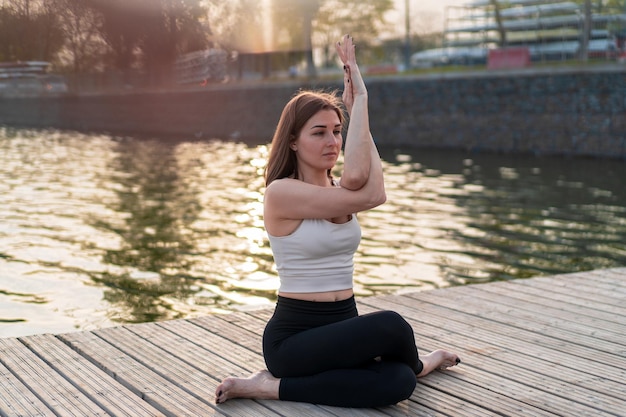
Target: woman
<point x="316" y="346"/>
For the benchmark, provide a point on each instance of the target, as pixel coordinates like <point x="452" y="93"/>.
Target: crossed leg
<point x="263" y="386"/>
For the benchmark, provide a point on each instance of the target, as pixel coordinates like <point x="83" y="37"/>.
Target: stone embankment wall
<point x="568" y="112"/>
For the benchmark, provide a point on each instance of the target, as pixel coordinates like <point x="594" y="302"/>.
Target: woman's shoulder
<point x="281" y="186"/>
<point x="282" y="182"/>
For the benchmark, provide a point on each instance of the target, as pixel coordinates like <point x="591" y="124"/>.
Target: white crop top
<point x="318" y="256"/>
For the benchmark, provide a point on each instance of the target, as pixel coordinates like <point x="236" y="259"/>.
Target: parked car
<point x="449" y="56"/>
<point x="430" y="58"/>
<point x="29" y="79"/>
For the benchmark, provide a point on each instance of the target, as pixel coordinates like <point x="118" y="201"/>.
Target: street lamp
<point x="407" y="36"/>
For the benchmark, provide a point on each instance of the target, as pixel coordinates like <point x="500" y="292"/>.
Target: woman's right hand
<point x="353" y="83"/>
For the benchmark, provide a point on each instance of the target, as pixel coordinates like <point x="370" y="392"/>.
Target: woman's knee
<point x="407" y="383"/>
<point x="400" y="384"/>
<point x="394" y="324"/>
<point x="277" y="364"/>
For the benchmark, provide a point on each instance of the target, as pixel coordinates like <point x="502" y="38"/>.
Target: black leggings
<point x="325" y="353"/>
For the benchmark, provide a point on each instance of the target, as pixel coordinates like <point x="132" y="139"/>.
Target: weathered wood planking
<point x="547" y="346"/>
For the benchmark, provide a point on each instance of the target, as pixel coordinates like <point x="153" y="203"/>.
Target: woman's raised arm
<point x="361" y="159"/>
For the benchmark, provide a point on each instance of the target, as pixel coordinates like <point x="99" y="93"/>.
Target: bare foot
<point x="260" y="385"/>
<point x="438" y="359"/>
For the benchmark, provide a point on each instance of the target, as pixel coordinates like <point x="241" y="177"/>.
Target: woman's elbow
<point x="382" y="198"/>
<point x="353" y="182"/>
<point x="378" y="198"/>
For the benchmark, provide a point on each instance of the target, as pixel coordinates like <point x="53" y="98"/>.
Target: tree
<point x="363" y="19"/>
<point x="499" y="23"/>
<point x="617" y="27"/>
<point x="617" y="5"/>
<point x="120" y="27"/>
<point x="295" y="20"/>
<point x="309" y="23"/>
<point x="237" y="24"/>
<point x="150" y="34"/>
<point x="172" y="28"/>
<point x="29" y="30"/>
<point x="83" y="46"/>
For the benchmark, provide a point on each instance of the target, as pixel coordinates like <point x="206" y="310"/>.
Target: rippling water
<point x="99" y="230"/>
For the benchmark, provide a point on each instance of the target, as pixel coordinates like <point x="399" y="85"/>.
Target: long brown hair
<point x="304" y="105"/>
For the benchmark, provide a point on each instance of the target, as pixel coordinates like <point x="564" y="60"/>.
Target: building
<point x="546" y="29"/>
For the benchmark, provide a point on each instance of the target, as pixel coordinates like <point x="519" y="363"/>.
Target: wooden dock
<point x="549" y="346"/>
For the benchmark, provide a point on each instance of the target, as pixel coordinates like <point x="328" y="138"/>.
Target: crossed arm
<point x="361" y="159"/>
<point x="362" y="184"/>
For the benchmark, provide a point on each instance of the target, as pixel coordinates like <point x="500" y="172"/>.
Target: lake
<point x="99" y="230"/>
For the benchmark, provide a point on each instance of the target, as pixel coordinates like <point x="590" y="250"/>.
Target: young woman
<point x="316" y="347"/>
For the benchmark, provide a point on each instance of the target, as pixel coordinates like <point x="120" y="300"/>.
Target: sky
<point x="437" y="5"/>
<point x="426" y="15"/>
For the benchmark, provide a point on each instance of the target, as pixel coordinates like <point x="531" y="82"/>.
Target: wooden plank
<point x="592" y="282"/>
<point x="572" y="333"/>
<point x="159" y="392"/>
<point x="226" y="326"/>
<point x="521" y="342"/>
<point x="98" y="386"/>
<point x="191" y="378"/>
<point x="57" y="393"/>
<point x="495" y="379"/>
<point x="550" y="311"/>
<point x="600" y="277"/>
<point x="532" y="375"/>
<point x="426" y="396"/>
<point x="16" y="399"/>
<point x="566" y="303"/>
<point x="609" y="300"/>
<point x="609" y="321"/>
<point x="516" y="313"/>
<point x="482" y="396"/>
<point x="248" y="321"/>
<point x="498" y="312"/>
<point x="540" y="347"/>
<point x="184" y="340"/>
<point x="613" y="276"/>
<point x="215" y="335"/>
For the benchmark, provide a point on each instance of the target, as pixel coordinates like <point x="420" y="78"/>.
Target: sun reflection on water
<point x="99" y="230"/>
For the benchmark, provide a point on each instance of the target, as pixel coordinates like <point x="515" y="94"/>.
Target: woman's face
<point x="319" y="142"/>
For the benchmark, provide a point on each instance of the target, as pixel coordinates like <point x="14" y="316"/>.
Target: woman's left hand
<point x="353" y="84"/>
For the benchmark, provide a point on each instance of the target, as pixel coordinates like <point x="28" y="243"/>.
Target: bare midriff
<point x="323" y="297"/>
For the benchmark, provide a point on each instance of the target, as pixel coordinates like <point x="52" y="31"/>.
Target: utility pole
<point x="309" y="9"/>
<point x="407" y="36"/>
<point x="586" y="31"/>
